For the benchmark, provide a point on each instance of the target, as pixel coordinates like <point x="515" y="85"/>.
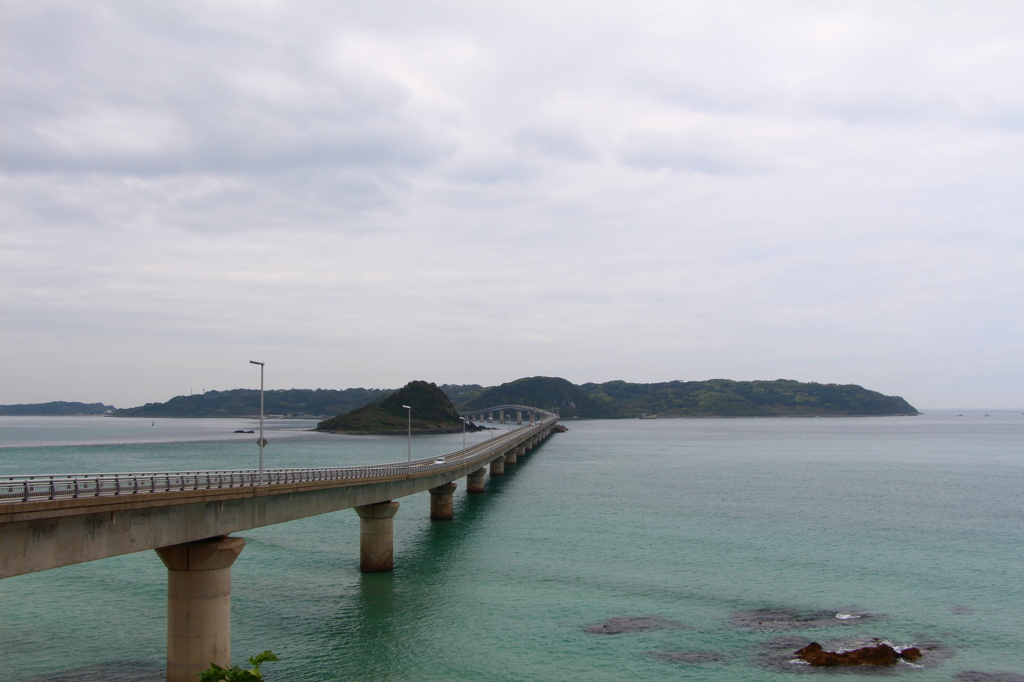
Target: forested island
<point x="608" y="400"/>
<point x="712" y="398"/>
<point x="245" y="402"/>
<point x="432" y="411"/>
<point x="57" y="408"/>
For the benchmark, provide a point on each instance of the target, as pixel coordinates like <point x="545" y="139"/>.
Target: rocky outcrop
<point x="881" y="654"/>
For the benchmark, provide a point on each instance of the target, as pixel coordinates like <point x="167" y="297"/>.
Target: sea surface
<point x="720" y="546"/>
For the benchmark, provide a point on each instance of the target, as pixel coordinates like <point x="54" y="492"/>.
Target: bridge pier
<point x="475" y="481"/>
<point x="199" y="605"/>
<point x="377" y="537"/>
<point x="441" y="503"/>
<point x="512" y="456"/>
<point x="498" y="466"/>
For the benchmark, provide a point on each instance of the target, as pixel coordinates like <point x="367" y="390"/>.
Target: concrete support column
<point x="511" y="456"/>
<point x="530" y="443"/>
<point x="475" y="481"/>
<point x="199" y="605"/>
<point x="377" y="537"/>
<point x="519" y="416"/>
<point x="498" y="466"/>
<point x="521" y="451"/>
<point x="441" y="504"/>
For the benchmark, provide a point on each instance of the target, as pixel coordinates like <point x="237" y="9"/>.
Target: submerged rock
<point x="791" y="619"/>
<point x="625" y="624"/>
<point x="976" y="676"/>
<point x="686" y="657"/>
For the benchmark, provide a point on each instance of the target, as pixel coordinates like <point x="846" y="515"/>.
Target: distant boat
<point x="648" y="416"/>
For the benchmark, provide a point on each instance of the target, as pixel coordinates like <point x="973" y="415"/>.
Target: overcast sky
<point x="365" y="193"/>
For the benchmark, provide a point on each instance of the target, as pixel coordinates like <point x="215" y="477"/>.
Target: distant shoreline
<point x="712" y="398"/>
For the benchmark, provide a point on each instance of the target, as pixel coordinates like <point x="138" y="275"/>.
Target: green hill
<point x="56" y="408"/>
<point x="712" y="398"/>
<point x="608" y="400"/>
<point x="727" y="398"/>
<point x="548" y="393"/>
<point x="432" y="412"/>
<point x="245" y="402"/>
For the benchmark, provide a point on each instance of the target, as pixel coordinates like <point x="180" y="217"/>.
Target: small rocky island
<point x="432" y="412"/>
<point x="879" y="654"/>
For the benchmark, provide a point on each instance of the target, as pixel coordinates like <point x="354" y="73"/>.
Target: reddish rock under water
<point x="882" y="654"/>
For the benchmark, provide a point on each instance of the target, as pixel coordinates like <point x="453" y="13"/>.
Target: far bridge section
<point x="187" y="517"/>
<point x="508" y="414"/>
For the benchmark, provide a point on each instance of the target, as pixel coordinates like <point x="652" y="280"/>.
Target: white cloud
<point x="365" y="193"/>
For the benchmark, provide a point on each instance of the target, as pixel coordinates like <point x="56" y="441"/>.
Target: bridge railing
<point x="67" y="486"/>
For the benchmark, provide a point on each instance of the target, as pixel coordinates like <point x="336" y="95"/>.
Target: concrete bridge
<point x="187" y="517"/>
<point x="503" y="414"/>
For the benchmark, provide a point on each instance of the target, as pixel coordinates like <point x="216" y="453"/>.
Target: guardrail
<point x="68" y="486"/>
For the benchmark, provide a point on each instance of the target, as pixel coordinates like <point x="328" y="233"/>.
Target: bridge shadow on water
<point x="390" y="626"/>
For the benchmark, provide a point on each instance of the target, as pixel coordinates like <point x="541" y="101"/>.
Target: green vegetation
<point x="57" y="408"/>
<point x="549" y="393"/>
<point x="460" y="393"/>
<point x="432" y="412"/>
<point x="712" y="398"/>
<point x="235" y="673"/>
<point x="726" y="398"/>
<point x="245" y="402"/>
<point x="609" y="400"/>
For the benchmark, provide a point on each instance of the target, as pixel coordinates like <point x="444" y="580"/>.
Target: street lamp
<point x="408" y="466"/>
<point x="463" y="434"/>
<point x="261" y="441"/>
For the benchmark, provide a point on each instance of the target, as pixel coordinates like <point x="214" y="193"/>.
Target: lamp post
<point x="408" y="466"/>
<point x="260" y="441"/>
<point x="463" y="434"/>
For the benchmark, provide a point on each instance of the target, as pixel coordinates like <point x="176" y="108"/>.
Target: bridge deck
<point x="49" y="521"/>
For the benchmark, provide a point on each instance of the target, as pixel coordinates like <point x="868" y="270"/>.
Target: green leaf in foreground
<point x="215" y="673"/>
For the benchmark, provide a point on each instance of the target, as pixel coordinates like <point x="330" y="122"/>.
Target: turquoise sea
<point x="739" y="540"/>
